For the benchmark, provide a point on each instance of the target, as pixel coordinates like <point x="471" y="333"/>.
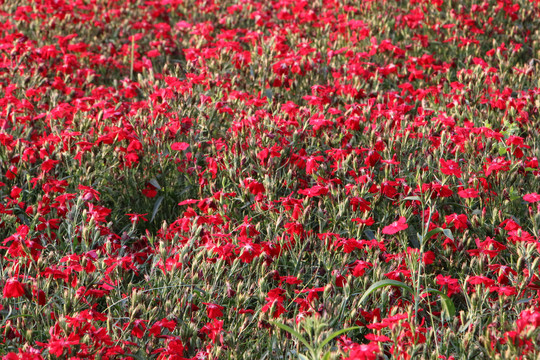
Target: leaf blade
<point x="293" y="332"/>
<point x="336" y="333"/>
<point x="446" y="302"/>
<point x="157" y="205"/>
<point x="383" y="283"/>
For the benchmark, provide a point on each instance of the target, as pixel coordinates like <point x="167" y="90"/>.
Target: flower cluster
<point x="177" y="176"/>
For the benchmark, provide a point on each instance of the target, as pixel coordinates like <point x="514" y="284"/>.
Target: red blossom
<point x="150" y="191"/>
<point x="13" y="288"/>
<point x="468" y="193"/>
<point x="316" y="190"/>
<point x="368" y="351"/>
<point x="396" y="226"/>
<point x="532" y="197"/>
<point x="360" y="268"/>
<point x="214" y="311"/>
<point x="213" y="329"/>
<point x="179" y="146"/>
<point x="134" y="218"/>
<point x="449" y="167"/>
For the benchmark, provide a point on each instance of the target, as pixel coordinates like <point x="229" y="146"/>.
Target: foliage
<point x="219" y="179"/>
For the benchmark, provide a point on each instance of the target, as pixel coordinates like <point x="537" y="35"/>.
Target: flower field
<point x="219" y="179"/>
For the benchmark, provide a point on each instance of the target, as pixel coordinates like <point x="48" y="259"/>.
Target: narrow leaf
<point x="383" y="283"/>
<point x="369" y="234"/>
<point x="334" y="334"/>
<point x="412" y="198"/>
<point x="523" y="301"/>
<point x="157" y="205"/>
<point x="293" y="332"/>
<point x="155" y="184"/>
<point x="415" y="242"/>
<point x="446" y="232"/>
<point x="446" y="302"/>
<point x="432" y="232"/>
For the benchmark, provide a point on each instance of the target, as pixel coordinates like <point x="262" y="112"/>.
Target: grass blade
<point x="293" y="332"/>
<point x="446" y="302"/>
<point x="446" y="232"/>
<point x="337" y="333"/>
<point x="383" y="283"/>
<point x="157" y="205"/>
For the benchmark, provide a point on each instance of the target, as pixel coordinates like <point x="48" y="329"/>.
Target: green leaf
<point x="514" y="195"/>
<point x="293" y="332"/>
<point x="415" y="242"/>
<point x="369" y="234"/>
<point x="155" y="184"/>
<point x="157" y="205"/>
<point x="269" y="94"/>
<point x="383" y="283"/>
<point x="334" y="334"/>
<point x="412" y="198"/>
<point x="446" y="302"/>
<point x="446" y="232"/>
<point x="523" y="301"/>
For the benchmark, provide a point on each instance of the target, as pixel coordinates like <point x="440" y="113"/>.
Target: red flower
<point x="213" y="329"/>
<point x="532" y="197"/>
<point x="152" y="53"/>
<point x="372" y="158"/>
<point x="13" y="289"/>
<point x="364" y="352"/>
<point x="377" y="338"/>
<point x="450" y="168"/>
<point x="163" y="323"/>
<point x="396" y="226"/>
<point x="174" y="348"/>
<point x="360" y="268"/>
<point x="368" y="222"/>
<point x="57" y="345"/>
<point x="468" y="193"/>
<point x="340" y="279"/>
<point x="316" y="190"/>
<point x="242" y="59"/>
<point x="359" y="203"/>
<point x="179" y="146"/>
<point x="12" y="172"/>
<point x="40" y="296"/>
<point x="428" y="257"/>
<point x="48" y="165"/>
<point x="312" y="165"/>
<point x="150" y="191"/>
<point x="248" y="250"/>
<point x="275" y="302"/>
<point x="452" y="284"/>
<point x="139" y="328"/>
<point x="476" y="280"/>
<point x="213" y="311"/>
<point x="134" y="218"/>
<point x="254" y="186"/>
<point x="457" y="221"/>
